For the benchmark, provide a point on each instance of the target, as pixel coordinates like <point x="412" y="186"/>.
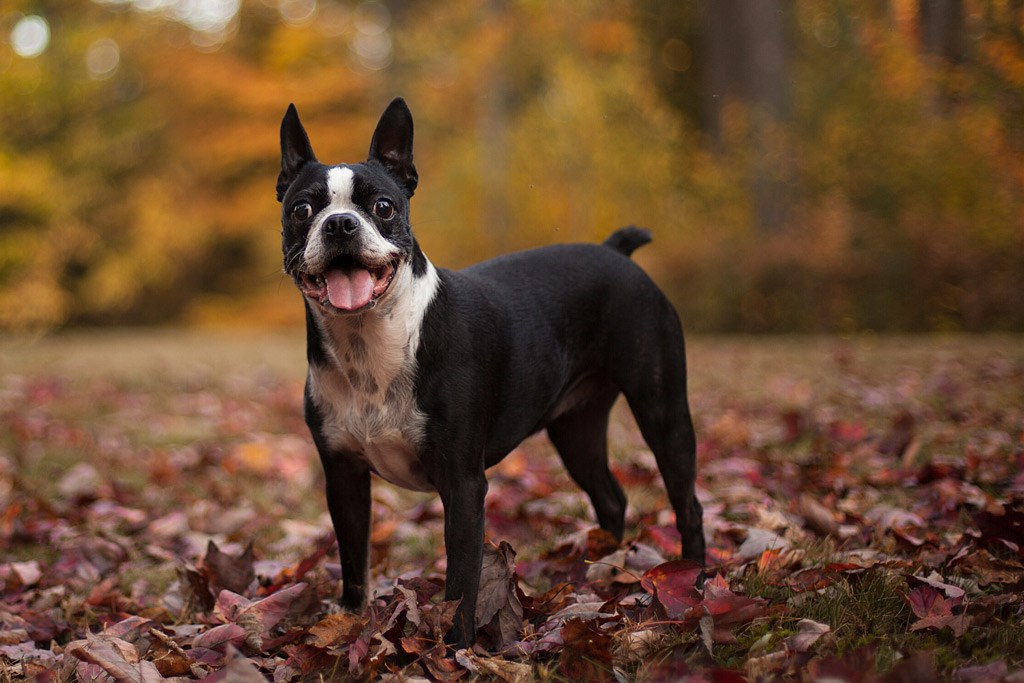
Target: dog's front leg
<point x="348" y="499"/>
<point x="463" y="500"/>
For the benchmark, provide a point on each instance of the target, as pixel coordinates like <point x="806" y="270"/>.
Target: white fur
<point x="361" y="416"/>
<point x="340" y="186"/>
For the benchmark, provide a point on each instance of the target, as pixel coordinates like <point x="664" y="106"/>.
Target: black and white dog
<point x="427" y="376"/>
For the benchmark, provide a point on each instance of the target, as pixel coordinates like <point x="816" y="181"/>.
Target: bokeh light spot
<point x="297" y="12"/>
<point x="30" y="36"/>
<point x="676" y="55"/>
<point x="102" y="58"/>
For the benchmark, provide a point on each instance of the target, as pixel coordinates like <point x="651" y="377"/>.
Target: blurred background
<point x="805" y="165"/>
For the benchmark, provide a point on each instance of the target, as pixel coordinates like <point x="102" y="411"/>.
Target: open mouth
<point x="348" y="285"/>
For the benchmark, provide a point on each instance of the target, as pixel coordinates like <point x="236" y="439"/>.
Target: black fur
<point x="541" y="339"/>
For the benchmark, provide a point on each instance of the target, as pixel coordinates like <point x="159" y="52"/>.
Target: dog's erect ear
<point x="296" y="151"/>
<point x="392" y="144"/>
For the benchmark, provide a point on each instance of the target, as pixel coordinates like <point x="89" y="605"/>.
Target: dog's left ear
<point x="296" y="151"/>
<point x="392" y="144"/>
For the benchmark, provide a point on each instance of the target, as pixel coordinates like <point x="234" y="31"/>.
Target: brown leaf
<point x="551" y="601"/>
<point x="503" y="670"/>
<point x="169" y="657"/>
<point x="767" y="667"/>
<point x="236" y="573"/>
<point x="498" y="607"/>
<point x="917" y="667"/>
<point x="818" y="517"/>
<point x="336" y="629"/>
<point x="886" y="517"/>
<point x="13" y="636"/>
<point x="117" y="657"/>
<point x="586" y="655"/>
<point x="989" y="569"/>
<point x="1007" y="527"/>
<point x="857" y="666"/>
<point x="900" y="435"/>
<point x="808" y="633"/>
<point x="441" y="667"/>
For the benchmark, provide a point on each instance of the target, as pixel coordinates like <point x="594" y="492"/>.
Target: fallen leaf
<point x="935" y="610"/>
<point x="502" y="669"/>
<point x="758" y="541"/>
<point x="117" y="658"/>
<point x="1007" y="527"/>
<point x="674" y="586"/>
<point x="983" y="673"/>
<point x="886" y="517"/>
<point x="335" y="629"/>
<point x="818" y="517"/>
<point x="220" y="635"/>
<point x="808" y="633"/>
<point x="237" y="669"/>
<point x="728" y="609"/>
<point x="586" y="655"/>
<point x="235" y="573"/>
<point x="498" y="608"/>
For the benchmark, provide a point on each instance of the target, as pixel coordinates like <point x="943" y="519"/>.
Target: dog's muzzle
<point x="347" y="284"/>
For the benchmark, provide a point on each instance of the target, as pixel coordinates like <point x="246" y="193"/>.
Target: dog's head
<point x="345" y="228"/>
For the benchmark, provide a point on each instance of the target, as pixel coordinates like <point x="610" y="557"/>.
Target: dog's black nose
<point x="341" y="222"/>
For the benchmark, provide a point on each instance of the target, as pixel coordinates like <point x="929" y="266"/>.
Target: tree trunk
<point x="745" y="46"/>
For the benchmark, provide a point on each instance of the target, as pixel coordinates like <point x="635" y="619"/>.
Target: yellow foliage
<point x="146" y="193"/>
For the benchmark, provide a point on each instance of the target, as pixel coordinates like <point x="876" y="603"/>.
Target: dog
<point x="427" y="376"/>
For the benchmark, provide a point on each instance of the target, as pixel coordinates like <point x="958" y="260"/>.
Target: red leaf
<point x="728" y="608"/>
<point x="674" y="585"/>
<point x="926" y="601"/>
<point x="935" y="610"/>
<point x="218" y="635"/>
<point x="267" y="611"/>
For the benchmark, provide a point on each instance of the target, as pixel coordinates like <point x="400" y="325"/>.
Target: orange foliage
<point x="145" y="193"/>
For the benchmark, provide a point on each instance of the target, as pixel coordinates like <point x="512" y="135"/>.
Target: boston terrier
<point x="426" y="377"/>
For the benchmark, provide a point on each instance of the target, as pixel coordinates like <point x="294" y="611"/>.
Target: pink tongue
<point x="349" y="291"/>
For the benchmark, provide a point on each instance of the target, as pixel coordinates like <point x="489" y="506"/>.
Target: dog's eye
<point x="384" y="208"/>
<point x="302" y="211"/>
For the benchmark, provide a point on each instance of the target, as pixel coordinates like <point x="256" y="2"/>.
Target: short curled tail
<point x="629" y="239"/>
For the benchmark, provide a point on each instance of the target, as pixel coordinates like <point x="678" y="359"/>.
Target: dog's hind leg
<point x="667" y="428"/>
<point x="581" y="437"/>
<point x="655" y="388"/>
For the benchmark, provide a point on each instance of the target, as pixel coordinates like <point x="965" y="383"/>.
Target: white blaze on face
<point x="340" y="184"/>
<point x="340" y="188"/>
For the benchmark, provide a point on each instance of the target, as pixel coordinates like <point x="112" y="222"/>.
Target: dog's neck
<point x="378" y="344"/>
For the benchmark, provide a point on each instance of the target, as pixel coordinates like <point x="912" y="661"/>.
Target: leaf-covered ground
<point x="162" y="517"/>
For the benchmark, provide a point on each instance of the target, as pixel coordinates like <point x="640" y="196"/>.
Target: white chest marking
<point x="366" y="393"/>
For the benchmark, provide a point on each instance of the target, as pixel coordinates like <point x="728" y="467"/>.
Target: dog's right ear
<point x="296" y="151"/>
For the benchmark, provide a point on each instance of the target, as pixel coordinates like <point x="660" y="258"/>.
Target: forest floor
<point x="162" y="517"/>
